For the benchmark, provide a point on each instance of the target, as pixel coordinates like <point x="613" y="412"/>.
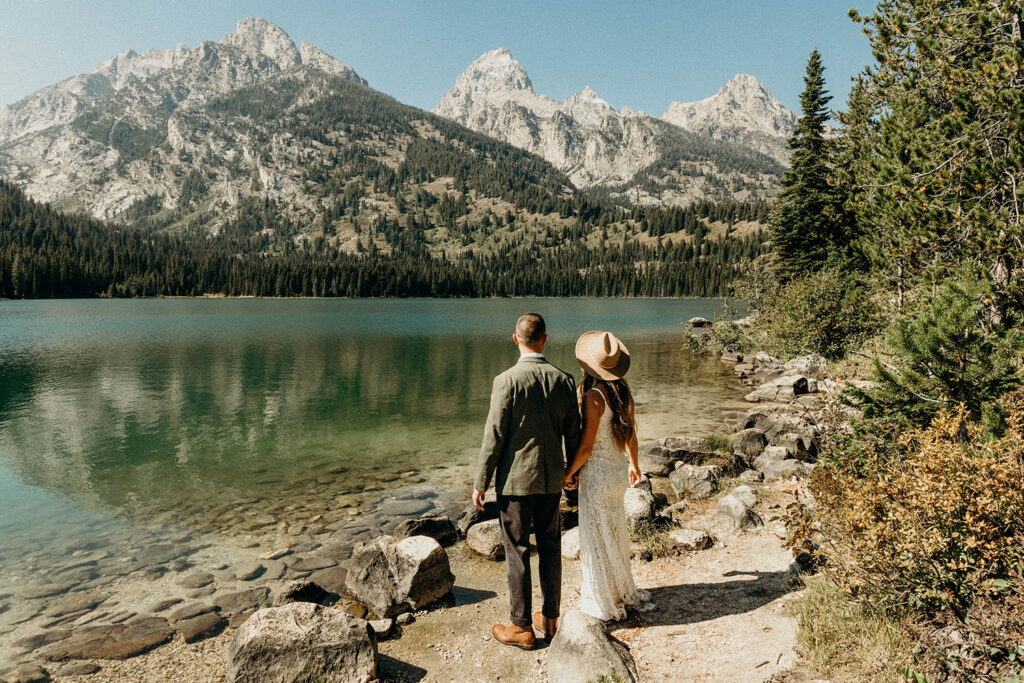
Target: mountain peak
<point x="742" y="106"/>
<point x="314" y="57"/>
<point x="497" y="69"/>
<point x="257" y="35"/>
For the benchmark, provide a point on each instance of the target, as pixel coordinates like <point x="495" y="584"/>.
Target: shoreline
<point x="475" y="577"/>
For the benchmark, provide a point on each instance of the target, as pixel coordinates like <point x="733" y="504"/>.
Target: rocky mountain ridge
<point x="742" y="111"/>
<point x="632" y="154"/>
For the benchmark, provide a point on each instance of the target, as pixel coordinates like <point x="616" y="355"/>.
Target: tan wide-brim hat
<point x="602" y="355"/>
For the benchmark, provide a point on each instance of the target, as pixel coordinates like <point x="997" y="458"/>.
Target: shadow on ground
<point x="396" y="671"/>
<point x="695" y="602"/>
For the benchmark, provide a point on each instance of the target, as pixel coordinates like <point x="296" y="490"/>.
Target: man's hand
<point x="478" y="499"/>
<point x="572" y="482"/>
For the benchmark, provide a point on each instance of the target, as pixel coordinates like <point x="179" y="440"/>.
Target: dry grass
<point x="844" y="641"/>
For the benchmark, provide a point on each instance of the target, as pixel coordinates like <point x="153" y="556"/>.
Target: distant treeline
<point x="47" y="254"/>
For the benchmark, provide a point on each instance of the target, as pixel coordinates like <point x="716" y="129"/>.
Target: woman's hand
<point x="634" y="475"/>
<point x="572" y="481"/>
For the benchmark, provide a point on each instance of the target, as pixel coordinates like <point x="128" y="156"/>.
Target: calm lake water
<point x="170" y="415"/>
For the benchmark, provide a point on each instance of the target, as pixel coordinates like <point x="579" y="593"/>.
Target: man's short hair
<point x="530" y="328"/>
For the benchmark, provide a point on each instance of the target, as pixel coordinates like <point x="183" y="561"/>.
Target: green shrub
<point x="825" y="312"/>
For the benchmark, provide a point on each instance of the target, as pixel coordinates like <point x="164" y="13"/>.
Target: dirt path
<point x="720" y="614"/>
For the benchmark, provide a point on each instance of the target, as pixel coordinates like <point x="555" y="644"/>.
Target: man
<point x="533" y="414"/>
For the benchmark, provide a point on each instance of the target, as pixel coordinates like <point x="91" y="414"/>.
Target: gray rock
<point x="812" y="365"/>
<point x="697" y="321"/>
<point x="696" y="482"/>
<point x="751" y="476"/>
<point x="582" y="651"/>
<point x="163" y="605"/>
<point x="28" y="673"/>
<point x="639" y="505"/>
<point x="197" y="580"/>
<point x="748" y="443"/>
<point x="690" y="539"/>
<point x="239" y="605"/>
<point x="391" y="577"/>
<point x="249" y="571"/>
<point x="111" y="641"/>
<point x="201" y="627"/>
<point x="302" y="641"/>
<point x="437" y="527"/>
<point x="571" y="544"/>
<point x="300" y="591"/>
<point x="405" y="619"/>
<point x="676" y="512"/>
<point x="785" y="469"/>
<point x="383" y="628"/>
<point x="312" y="564"/>
<point x="77" y="669"/>
<point x="746" y="494"/>
<point x="735" y="513"/>
<point x="189" y="611"/>
<point x="656" y="459"/>
<point x="799" y="447"/>
<point x="471" y="516"/>
<point x="331" y="579"/>
<point x="485" y="539"/>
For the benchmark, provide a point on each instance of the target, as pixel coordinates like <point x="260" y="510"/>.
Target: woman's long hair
<point x="620" y="400"/>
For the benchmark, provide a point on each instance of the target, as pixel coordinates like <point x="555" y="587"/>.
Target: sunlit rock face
<point x="597" y="145"/>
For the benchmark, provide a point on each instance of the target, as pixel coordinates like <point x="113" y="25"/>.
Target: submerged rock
<point x="111" y="641"/>
<point x="303" y="641"/>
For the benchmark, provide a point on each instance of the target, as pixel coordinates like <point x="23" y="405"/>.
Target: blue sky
<point x="640" y="54"/>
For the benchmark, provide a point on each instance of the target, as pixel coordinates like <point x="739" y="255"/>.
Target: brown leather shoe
<point x="516" y="636"/>
<point x="546" y="626"/>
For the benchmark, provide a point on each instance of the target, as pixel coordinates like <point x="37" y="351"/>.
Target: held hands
<point x="572" y="481"/>
<point x="478" y="499"/>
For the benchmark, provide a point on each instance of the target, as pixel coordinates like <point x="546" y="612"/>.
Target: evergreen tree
<point x="949" y="353"/>
<point x="946" y="176"/>
<point x="803" y="222"/>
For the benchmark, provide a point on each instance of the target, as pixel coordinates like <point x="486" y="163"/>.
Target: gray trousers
<point x="519" y="515"/>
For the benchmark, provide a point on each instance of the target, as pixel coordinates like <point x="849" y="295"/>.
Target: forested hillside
<point x="45" y="253"/>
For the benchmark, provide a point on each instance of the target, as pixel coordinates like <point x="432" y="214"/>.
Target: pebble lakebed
<point x="180" y="565"/>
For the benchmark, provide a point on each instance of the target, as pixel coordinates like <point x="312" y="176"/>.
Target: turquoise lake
<point x="136" y="418"/>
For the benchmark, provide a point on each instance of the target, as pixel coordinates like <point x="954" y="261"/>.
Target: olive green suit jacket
<point x="533" y="415"/>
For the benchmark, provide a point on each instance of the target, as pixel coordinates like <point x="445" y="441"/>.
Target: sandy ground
<point x="720" y="614"/>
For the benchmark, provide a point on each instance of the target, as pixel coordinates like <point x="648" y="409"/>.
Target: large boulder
<point x="437" y="527"/>
<point x="391" y="576"/>
<point x="782" y="388"/>
<point x="302" y="641"/>
<point x="485" y="538"/>
<point x="785" y="469"/>
<point x="656" y="459"/>
<point x="812" y="365"/>
<point x="748" y="443"/>
<point x="736" y="510"/>
<point x="770" y="455"/>
<point x="799" y="447"/>
<point x="582" y="651"/>
<point x="639" y="504"/>
<point x="697" y="482"/>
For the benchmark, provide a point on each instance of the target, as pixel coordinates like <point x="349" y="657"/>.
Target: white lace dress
<point x="608" y="587"/>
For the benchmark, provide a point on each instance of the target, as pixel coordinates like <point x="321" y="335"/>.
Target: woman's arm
<point x="633" y="448"/>
<point x="593" y="408"/>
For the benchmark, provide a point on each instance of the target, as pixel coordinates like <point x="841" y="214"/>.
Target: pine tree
<point x="946" y="178"/>
<point x="804" y="220"/>
<point x="949" y="353"/>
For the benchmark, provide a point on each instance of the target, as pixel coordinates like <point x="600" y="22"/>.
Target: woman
<point x="609" y="433"/>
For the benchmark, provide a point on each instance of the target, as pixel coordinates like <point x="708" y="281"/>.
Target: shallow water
<point x="135" y="421"/>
